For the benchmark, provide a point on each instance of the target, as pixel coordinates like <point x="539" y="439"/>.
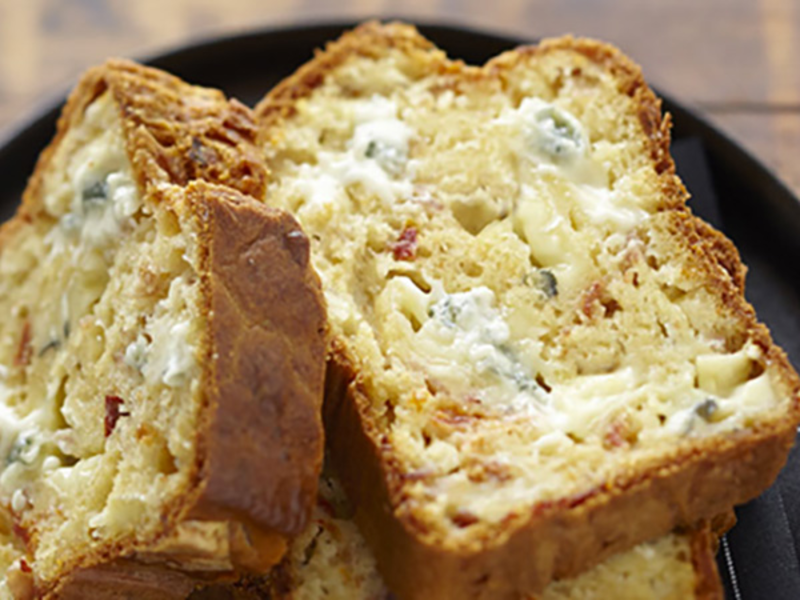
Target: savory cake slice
<point x="162" y="355"/>
<point x="540" y="357"/>
<point x="331" y="561"/>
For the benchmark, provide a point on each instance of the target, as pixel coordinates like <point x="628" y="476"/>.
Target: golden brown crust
<point x="273" y="587"/>
<point x="265" y="377"/>
<point x="721" y="249"/>
<point x="175" y="132"/>
<point x="704" y="546"/>
<point x="559" y="539"/>
<point x="721" y="524"/>
<point x="260" y="439"/>
<point x="127" y="579"/>
<point x="369" y="40"/>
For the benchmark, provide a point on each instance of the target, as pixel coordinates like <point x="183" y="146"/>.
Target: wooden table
<point x="736" y="61"/>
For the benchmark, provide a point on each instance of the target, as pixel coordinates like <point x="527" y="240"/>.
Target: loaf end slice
<point x="332" y="560"/>
<point x="163" y="361"/>
<point x="540" y="357"/>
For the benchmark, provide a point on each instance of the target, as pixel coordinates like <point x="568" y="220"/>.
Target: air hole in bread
<point x="472" y="269"/>
<point x="166" y="462"/>
<point x="414" y="276"/>
<point x="389" y="413"/>
<point x="757" y="368"/>
<point x="673" y="293"/>
<point x="476" y="212"/>
<point x="168" y="224"/>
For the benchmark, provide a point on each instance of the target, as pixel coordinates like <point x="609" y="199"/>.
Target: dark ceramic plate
<point x="731" y="189"/>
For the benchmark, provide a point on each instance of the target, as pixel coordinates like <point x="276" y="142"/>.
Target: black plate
<point x="731" y="190"/>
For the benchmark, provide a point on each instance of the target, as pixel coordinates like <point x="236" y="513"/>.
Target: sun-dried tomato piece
<point x="620" y="433"/>
<point x="614" y="437"/>
<point x="591" y="299"/>
<point x="464" y="518"/>
<point x="24" y="566"/>
<point x="596" y="302"/>
<point x="327" y="506"/>
<point x="21" y="532"/>
<point x="113" y="413"/>
<point x="24" y="350"/>
<point x="405" y="248"/>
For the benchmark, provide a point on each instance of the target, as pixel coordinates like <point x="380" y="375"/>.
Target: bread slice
<point x="162" y="352"/>
<point x="540" y="357"/>
<point x="331" y="560"/>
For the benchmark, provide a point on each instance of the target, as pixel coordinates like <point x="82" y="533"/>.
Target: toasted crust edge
<point x="368" y="40"/>
<point x="708" y="585"/>
<point x="561" y="540"/>
<point x="175" y="132"/>
<point x="266" y="355"/>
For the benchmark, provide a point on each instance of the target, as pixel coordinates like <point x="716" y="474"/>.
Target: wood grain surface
<point x="736" y="61"/>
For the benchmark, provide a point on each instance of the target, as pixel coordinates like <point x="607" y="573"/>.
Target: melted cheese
<point x="170" y="358"/>
<point x="136" y="353"/>
<point x="464" y="345"/>
<point x="98" y="196"/>
<point x="551" y="141"/>
<point x="119" y="512"/>
<point x="375" y="159"/>
<point x="21" y="441"/>
<point x="720" y="374"/>
<point x="548" y="233"/>
<point x="463" y="342"/>
<point x="582" y="406"/>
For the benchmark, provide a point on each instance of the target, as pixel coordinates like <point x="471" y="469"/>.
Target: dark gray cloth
<point x="759" y="557"/>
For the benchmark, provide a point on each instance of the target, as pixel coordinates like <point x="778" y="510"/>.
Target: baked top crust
<point x="174" y="132"/>
<point x="165" y="361"/>
<point x="539" y="355"/>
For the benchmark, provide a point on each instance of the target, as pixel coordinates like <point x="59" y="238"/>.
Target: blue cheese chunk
<point x="97" y="197"/>
<point x="553" y="144"/>
<point x="376" y="158"/>
<point x="136" y="353"/>
<point x="465" y="344"/>
<point x="21" y="441"/>
<point x="170" y="357"/>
